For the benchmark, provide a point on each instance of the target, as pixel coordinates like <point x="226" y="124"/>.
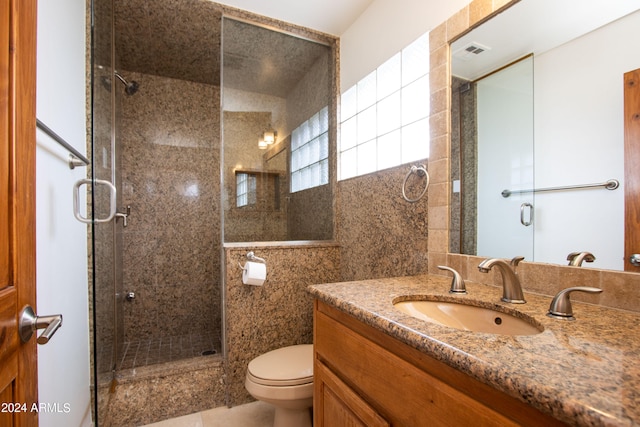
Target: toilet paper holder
<point x="254" y="271"/>
<point x="252" y="257"/>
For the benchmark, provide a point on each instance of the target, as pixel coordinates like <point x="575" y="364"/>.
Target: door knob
<point x="29" y="323"/>
<point x="635" y="260"/>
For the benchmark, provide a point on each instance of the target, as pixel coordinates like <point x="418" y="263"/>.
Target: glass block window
<point x="245" y="189"/>
<point x="310" y="152"/>
<point x="384" y="118"/>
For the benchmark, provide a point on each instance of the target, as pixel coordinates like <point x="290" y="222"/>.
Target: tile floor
<point x="167" y="349"/>
<point x="255" y="414"/>
<point x="159" y="350"/>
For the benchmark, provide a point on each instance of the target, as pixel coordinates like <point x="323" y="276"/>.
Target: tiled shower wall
<point x="462" y="226"/>
<point x="170" y="178"/>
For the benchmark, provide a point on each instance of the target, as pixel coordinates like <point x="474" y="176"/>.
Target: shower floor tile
<point x="162" y="350"/>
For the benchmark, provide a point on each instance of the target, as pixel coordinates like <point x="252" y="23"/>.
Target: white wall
<point x="63" y="363"/>
<point x="384" y="29"/>
<point x="579" y="139"/>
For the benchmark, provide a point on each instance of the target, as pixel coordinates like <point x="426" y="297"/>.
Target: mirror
<point x="276" y="97"/>
<point x="579" y="52"/>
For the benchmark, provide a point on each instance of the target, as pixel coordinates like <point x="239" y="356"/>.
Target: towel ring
<point x="420" y="171"/>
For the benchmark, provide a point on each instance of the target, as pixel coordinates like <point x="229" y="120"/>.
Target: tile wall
<point x="159" y="392"/>
<point x="620" y="289"/>
<point x="277" y="314"/>
<point x="380" y="233"/>
<point x="170" y="178"/>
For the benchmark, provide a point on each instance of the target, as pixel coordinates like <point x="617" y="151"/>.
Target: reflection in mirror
<point x="497" y="147"/>
<point x="580" y="52"/>
<point x="276" y="139"/>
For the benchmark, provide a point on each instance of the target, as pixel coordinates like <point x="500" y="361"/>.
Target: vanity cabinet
<point x="364" y="377"/>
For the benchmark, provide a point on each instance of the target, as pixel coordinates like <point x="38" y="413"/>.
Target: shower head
<point x="130" y="87"/>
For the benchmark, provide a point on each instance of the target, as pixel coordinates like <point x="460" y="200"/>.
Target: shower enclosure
<point x="158" y="114"/>
<point x="156" y="135"/>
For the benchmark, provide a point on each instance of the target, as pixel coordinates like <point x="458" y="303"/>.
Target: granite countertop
<point x="584" y="372"/>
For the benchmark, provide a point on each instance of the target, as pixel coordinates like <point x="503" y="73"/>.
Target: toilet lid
<point x="285" y="366"/>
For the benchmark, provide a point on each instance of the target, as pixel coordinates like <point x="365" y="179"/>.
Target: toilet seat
<point x="287" y="366"/>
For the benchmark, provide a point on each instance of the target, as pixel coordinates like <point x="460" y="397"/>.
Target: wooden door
<point x="18" y="370"/>
<point x="631" y="168"/>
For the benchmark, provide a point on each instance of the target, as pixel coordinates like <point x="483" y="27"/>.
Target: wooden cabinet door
<point x="335" y="404"/>
<point x="632" y="168"/>
<point x="18" y="370"/>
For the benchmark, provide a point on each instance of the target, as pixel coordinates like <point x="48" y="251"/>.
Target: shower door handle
<point x="524" y="222"/>
<point x="76" y="201"/>
<point x="29" y="323"/>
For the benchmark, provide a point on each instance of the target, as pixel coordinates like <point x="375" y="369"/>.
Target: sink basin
<point x="468" y="317"/>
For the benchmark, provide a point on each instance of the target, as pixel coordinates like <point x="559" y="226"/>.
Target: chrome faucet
<point x="511" y="288"/>
<point x="575" y="258"/>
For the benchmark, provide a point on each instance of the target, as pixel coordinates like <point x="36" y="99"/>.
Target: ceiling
<point x="328" y="16"/>
<point x="533" y="27"/>
<point x="178" y="39"/>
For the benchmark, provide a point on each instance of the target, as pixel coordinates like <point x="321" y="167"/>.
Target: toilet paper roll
<point x="254" y="273"/>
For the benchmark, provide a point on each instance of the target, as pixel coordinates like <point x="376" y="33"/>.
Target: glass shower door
<point x="105" y="239"/>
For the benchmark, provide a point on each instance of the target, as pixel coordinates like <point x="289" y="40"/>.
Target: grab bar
<point x="611" y="184"/>
<point x="75" y="157"/>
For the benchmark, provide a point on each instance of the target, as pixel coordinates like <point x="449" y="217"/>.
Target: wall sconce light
<point x="267" y="138"/>
<point x="270" y="136"/>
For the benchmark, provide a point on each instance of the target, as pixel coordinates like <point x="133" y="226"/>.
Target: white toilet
<point x="284" y="378"/>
